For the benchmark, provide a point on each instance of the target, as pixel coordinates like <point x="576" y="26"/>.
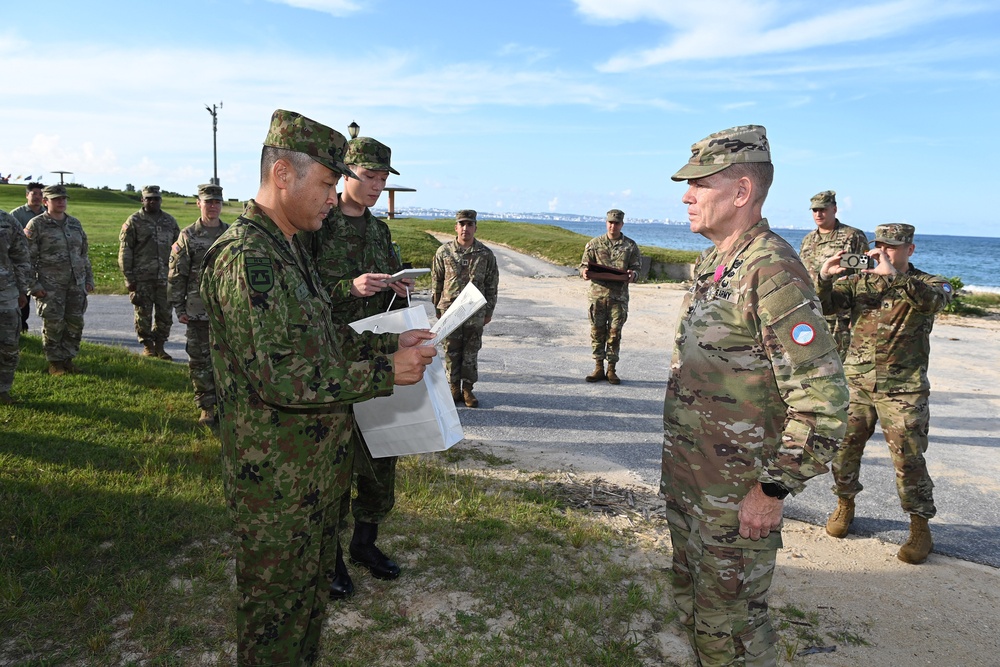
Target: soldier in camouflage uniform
<point x="755" y="404"/>
<point x="23" y="214"/>
<point x="61" y="278"/>
<point x="609" y="292"/>
<point x="355" y="256"/>
<point x="184" y="292"/>
<point x="892" y="312"/>
<point x="455" y="265"/>
<point x="285" y="376"/>
<point x="144" y="246"/>
<point x="829" y="237"/>
<point x="15" y="274"/>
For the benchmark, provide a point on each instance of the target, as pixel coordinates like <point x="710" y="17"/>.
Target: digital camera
<point x="857" y="261"/>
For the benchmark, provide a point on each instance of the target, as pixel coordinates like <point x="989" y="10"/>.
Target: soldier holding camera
<point x="892" y="308"/>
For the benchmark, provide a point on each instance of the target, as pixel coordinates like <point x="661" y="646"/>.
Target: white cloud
<point x="553" y="204"/>
<point x="332" y="7"/>
<point x="530" y="54"/>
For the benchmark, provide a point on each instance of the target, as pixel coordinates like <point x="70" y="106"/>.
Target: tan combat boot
<point x="6" y="398"/>
<point x="612" y="376"/>
<point x="598" y="373"/>
<point x="839" y="522"/>
<point x="159" y="352"/>
<point x="207" y="417"/>
<point x="148" y="350"/>
<point x="456" y="392"/>
<point x="919" y="545"/>
<point x="470" y="399"/>
<point x="71" y="367"/>
<point x="56" y="368"/>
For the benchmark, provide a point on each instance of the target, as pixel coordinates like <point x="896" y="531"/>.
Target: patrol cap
<point x="895" y="233"/>
<point x="209" y="191"/>
<point x="615" y="215"/>
<point x="824" y="199"/>
<point x="718" y="151"/>
<point x="151" y="191"/>
<point x="370" y="154"/>
<point x="294" y="132"/>
<point x="54" y="191"/>
<point x="465" y="214"/>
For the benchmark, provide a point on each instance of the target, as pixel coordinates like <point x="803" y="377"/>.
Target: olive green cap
<point x="294" y="132"/>
<point x="824" y="199"/>
<point x="209" y="191"/>
<point x="370" y="154"/>
<point x="718" y="151"/>
<point x="895" y="233"/>
<point x="465" y="214"/>
<point x="151" y="191"/>
<point x="615" y="215"/>
<point x="54" y="191"/>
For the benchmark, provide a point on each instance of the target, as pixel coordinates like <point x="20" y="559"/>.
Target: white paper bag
<point x="415" y="419"/>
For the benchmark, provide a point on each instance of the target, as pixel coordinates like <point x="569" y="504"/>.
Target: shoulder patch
<point x="260" y="274"/>
<point x="803" y="333"/>
<point x="947" y="288"/>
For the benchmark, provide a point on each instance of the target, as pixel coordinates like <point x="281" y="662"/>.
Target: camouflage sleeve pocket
<point x="797" y="326"/>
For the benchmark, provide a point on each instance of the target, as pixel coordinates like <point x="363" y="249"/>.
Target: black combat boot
<point x="341" y="587"/>
<point x="366" y="554"/>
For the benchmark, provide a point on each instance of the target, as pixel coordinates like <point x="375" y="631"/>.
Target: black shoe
<point x="341" y="587"/>
<point x="367" y="555"/>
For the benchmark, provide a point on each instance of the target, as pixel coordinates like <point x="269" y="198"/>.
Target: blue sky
<point x="570" y="106"/>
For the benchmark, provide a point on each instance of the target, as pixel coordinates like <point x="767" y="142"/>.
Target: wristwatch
<point x="773" y="490"/>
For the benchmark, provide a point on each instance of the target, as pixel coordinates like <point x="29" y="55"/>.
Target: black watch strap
<point x="772" y="490"/>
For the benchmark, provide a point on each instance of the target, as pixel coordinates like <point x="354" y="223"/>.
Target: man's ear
<point x="282" y="174"/>
<point x="744" y="192"/>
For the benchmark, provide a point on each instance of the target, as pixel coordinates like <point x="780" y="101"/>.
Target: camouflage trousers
<point x="461" y="350"/>
<point x="61" y="312"/>
<point x="200" y="364"/>
<point x="10" y="345"/>
<point x="840" y="327"/>
<point x="153" y="315"/>
<point x="607" y="318"/>
<point x="375" y="480"/>
<point x="905" y="420"/>
<point x="720" y="596"/>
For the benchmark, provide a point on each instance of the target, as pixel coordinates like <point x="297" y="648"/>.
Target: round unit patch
<point x="803" y="333"/>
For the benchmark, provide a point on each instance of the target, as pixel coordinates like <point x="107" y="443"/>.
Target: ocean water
<point x="976" y="260"/>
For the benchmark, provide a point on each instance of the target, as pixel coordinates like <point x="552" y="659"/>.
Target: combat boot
<point x="456" y="392"/>
<point x="840" y="520"/>
<point x="366" y="554"/>
<point x="56" y="368"/>
<point x="919" y="545"/>
<point x="470" y="399"/>
<point x="71" y="367"/>
<point x="598" y="373"/>
<point x="6" y="398"/>
<point x="207" y="417"/>
<point x="159" y="352"/>
<point x="341" y="587"/>
<point x="611" y="375"/>
<point x="148" y="350"/>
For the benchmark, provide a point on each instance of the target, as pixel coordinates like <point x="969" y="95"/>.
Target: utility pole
<point x="215" y="130"/>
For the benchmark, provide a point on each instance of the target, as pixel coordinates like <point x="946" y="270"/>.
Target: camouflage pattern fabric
<point x="718" y="151"/>
<point x="187" y="256"/>
<point x="294" y="132"/>
<point x="15" y="276"/>
<point x="453" y="268"/>
<point x="370" y="154"/>
<point x="152" y="311"/>
<point x="10" y="345"/>
<point x="609" y="299"/>
<point x="144" y="245"/>
<point x="816" y="248"/>
<point x="285" y="377"/>
<point x="61" y="267"/>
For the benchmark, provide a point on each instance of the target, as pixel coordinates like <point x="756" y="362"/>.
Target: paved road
<point x="533" y="396"/>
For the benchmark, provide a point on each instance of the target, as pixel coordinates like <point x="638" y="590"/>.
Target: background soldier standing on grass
<point x="15" y="271"/>
<point x="61" y="278"/>
<point x="755" y="403"/>
<point x="455" y="265"/>
<point x="354" y="256"/>
<point x="23" y="214"/>
<point x="184" y="292"/>
<point x="285" y="376"/>
<point x="829" y="237"/>
<point x="609" y="292"/>
<point x="892" y="311"/>
<point x="144" y="258"/>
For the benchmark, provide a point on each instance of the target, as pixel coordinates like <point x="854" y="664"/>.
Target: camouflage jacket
<point x="891" y="321"/>
<point x="816" y="248"/>
<point x="15" y="260"/>
<point x="59" y="253"/>
<point x="23" y="214"/>
<point x="144" y="246"/>
<point x="342" y="254"/>
<point x="187" y="255"/>
<point x="756" y="390"/>
<point x="621" y="254"/>
<point x="284" y="374"/>
<point x="454" y="267"/>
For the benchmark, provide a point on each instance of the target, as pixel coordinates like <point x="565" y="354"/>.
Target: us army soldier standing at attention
<point x="32" y="207"/>
<point x="755" y="403"/>
<point x="184" y="292"/>
<point x="609" y="293"/>
<point x="144" y="257"/>
<point x="15" y="277"/>
<point x="829" y="237"/>
<point x="892" y="311"/>
<point x="455" y="265"/>
<point x="285" y="376"/>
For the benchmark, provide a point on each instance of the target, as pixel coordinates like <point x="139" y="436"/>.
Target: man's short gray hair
<point x="300" y="161"/>
<point x="761" y="174"/>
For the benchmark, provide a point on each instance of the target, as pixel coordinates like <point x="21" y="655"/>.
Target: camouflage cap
<point x="465" y="214"/>
<point x="718" y="151"/>
<point x="151" y="191"/>
<point x="824" y="199"/>
<point x="294" y="132"/>
<point x="54" y="191"/>
<point x="894" y="233"/>
<point x="615" y="215"/>
<point x="370" y="154"/>
<point x="209" y="191"/>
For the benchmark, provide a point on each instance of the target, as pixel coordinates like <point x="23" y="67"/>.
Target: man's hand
<point x="368" y="284"/>
<point x="183" y="319"/>
<point x="884" y="266"/>
<point x="414" y="337"/>
<point x="831" y="267"/>
<point x="130" y="287"/>
<point x="585" y="273"/>
<point x="404" y="287"/>
<point x="759" y="514"/>
<point x="22" y="300"/>
<point x="39" y="294"/>
<point x="409" y="363"/>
